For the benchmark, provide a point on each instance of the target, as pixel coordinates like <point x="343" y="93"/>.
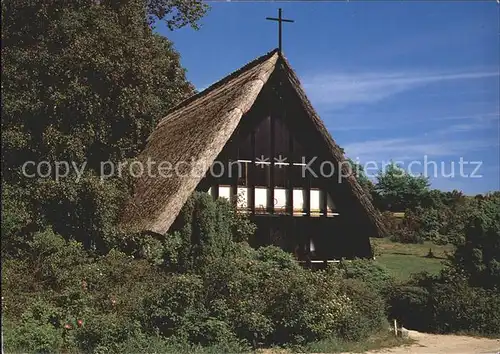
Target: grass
<point x="383" y="339"/>
<point x="402" y="260"/>
<point x="379" y="341"/>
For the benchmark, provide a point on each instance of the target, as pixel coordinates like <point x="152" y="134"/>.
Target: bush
<point x="446" y="304"/>
<point x="212" y="292"/>
<point x="16" y="220"/>
<point x="479" y="254"/>
<point x="459" y="307"/>
<point x="409" y="230"/>
<point x="464" y="297"/>
<point x="86" y="210"/>
<point x="175" y="308"/>
<point x="34" y="332"/>
<point x="206" y="230"/>
<point x="367" y="271"/>
<point x="431" y="225"/>
<point x="405" y="235"/>
<point x="369" y="309"/>
<point x="409" y="304"/>
<point x="390" y="222"/>
<point x="368" y="285"/>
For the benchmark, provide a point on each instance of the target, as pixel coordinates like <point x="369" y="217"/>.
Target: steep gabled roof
<point x="197" y="130"/>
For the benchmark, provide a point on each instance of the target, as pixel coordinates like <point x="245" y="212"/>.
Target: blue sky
<point x="391" y="80"/>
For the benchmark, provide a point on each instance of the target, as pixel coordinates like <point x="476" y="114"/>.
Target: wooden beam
<point x="251" y="167"/>
<point x="230" y="156"/>
<point x="324" y="201"/>
<point x="289" y="171"/>
<point x="308" y="250"/>
<point x="270" y="195"/>
<point x="215" y="191"/>
<point x="234" y="184"/>
<point x="307" y="196"/>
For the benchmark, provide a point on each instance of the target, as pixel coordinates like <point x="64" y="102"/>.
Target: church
<point x="254" y="138"/>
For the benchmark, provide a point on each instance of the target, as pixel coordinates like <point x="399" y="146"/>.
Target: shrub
<point x="103" y="333"/>
<point x="34" y="332"/>
<point x="446" y="304"/>
<point x="409" y="304"/>
<point x="367" y="271"/>
<point x="390" y="222"/>
<point x="369" y="310"/>
<point x="205" y="230"/>
<point x="409" y="230"/>
<point x="459" y="307"/>
<point x="275" y="256"/>
<point x="431" y="225"/>
<point x="16" y="219"/>
<point x="175" y="308"/>
<point x="479" y="254"/>
<point x="367" y="284"/>
<point x="85" y="210"/>
<point x="173" y="294"/>
<point x="405" y="235"/>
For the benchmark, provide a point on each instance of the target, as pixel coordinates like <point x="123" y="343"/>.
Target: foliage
<point x="382" y="339"/>
<point x="217" y="293"/>
<point x="86" y="82"/>
<point x="440" y="223"/>
<point x="437" y="216"/>
<point x="430" y="224"/>
<point x="478" y="256"/>
<point x="83" y="86"/>
<point x="204" y="230"/>
<point x="390" y="221"/>
<point x="446" y="304"/>
<point x="368" y="284"/>
<point x="35" y="332"/>
<point x="397" y="190"/>
<point x="16" y="220"/>
<point x="409" y="305"/>
<point x="369" y="308"/>
<point x="464" y="296"/>
<point x="444" y="215"/>
<point x="363" y="180"/>
<point x="366" y="271"/>
<point x="409" y="229"/>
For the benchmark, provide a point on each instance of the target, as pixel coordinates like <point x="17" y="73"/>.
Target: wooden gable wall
<point x="277" y="114"/>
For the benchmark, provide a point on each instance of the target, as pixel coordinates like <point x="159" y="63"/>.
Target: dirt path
<point x="449" y="344"/>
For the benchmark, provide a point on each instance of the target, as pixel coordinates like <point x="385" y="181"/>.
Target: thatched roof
<point x="199" y="128"/>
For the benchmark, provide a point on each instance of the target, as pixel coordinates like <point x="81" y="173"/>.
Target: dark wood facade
<point x="265" y="159"/>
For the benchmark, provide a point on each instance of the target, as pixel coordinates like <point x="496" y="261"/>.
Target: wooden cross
<point x="280" y="21"/>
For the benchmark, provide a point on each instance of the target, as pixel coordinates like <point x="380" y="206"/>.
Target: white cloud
<point x="412" y="148"/>
<point x="479" y="117"/>
<point x="473" y="124"/>
<point x="462" y="128"/>
<point x="341" y="89"/>
<point x="362" y="122"/>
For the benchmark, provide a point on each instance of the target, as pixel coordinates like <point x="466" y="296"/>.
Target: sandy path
<point x="438" y="344"/>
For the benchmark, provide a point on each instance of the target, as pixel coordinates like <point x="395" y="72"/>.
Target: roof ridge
<point x="220" y="82"/>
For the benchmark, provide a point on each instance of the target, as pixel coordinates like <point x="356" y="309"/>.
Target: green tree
<point x="84" y="82"/>
<point x="478" y="254"/>
<point x="87" y="81"/>
<point x="363" y="180"/>
<point x="397" y="190"/>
